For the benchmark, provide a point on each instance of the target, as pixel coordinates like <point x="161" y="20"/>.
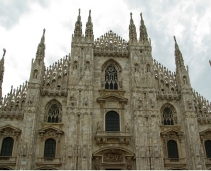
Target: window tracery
<point x="168" y="115"/>
<point x="111" y="78"/>
<point x="53" y="112"/>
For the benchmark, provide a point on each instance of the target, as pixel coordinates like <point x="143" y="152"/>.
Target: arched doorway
<point x="113" y="159"/>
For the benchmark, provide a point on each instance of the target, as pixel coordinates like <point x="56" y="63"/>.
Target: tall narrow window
<point x="53" y="114"/>
<point x="111" y="78"/>
<point x="50" y="148"/>
<point x="7" y="146"/>
<point x="112" y="121"/>
<point x="168" y="117"/>
<point x="207" y="144"/>
<point x="172" y="149"/>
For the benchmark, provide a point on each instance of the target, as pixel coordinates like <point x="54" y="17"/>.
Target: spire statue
<point x="143" y="31"/>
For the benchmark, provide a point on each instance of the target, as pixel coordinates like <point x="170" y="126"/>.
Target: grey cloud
<point x="11" y="11"/>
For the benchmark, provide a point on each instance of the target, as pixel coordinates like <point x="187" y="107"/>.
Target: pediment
<point x="172" y="131"/>
<point x="9" y="127"/>
<point x="51" y="129"/>
<point x="112" y="97"/>
<point x="111" y="44"/>
<point x="205" y="131"/>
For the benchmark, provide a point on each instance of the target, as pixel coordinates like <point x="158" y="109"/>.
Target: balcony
<point x="207" y="161"/>
<point x="8" y="160"/>
<point x="113" y="137"/>
<point x="48" y="161"/>
<point x="174" y="161"/>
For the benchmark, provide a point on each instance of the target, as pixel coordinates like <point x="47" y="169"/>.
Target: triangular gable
<point x="51" y="128"/>
<point x="171" y="130"/>
<point x="205" y="131"/>
<point x="9" y="127"/>
<point x="113" y="97"/>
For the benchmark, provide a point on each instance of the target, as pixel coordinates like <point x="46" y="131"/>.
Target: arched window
<point x="172" y="149"/>
<point x="7" y="146"/>
<point x="207" y="144"/>
<point x="111" y="78"/>
<point x="54" y="114"/>
<point x="168" y="117"/>
<point x="50" y="148"/>
<point x="112" y="121"/>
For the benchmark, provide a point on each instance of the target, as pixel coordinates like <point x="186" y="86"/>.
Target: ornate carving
<point x="112" y="157"/>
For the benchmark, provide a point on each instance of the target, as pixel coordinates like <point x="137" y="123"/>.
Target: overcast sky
<point x="22" y="23"/>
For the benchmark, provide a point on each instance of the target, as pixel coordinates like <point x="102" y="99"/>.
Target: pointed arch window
<point x="172" y="149"/>
<point x="112" y="121"/>
<point x="7" y="146"/>
<point x="50" y="148"/>
<point x="168" y="116"/>
<point x="53" y="114"/>
<point x="111" y="78"/>
<point x="207" y="145"/>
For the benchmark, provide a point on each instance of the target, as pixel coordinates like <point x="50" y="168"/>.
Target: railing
<point x="7" y="159"/>
<point x="174" y="161"/>
<point x="113" y="133"/>
<point x="208" y="160"/>
<point x="48" y="160"/>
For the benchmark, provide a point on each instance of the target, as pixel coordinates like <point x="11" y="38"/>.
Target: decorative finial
<point x="4" y="50"/>
<point x="175" y="39"/>
<point x="131" y="15"/>
<point x="210" y="62"/>
<point x="141" y="15"/>
<point x="43" y="31"/>
<point x="79" y="11"/>
<point x="89" y="12"/>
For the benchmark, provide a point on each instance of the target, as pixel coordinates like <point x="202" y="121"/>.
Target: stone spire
<point x="78" y="26"/>
<point x="143" y="31"/>
<point x="132" y="30"/>
<point x="178" y="56"/>
<point x="41" y="48"/>
<point x="2" y="72"/>
<point x="89" y="27"/>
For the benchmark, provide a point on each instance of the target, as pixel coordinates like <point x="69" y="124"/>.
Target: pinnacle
<point x="4" y="50"/>
<point x="143" y="31"/>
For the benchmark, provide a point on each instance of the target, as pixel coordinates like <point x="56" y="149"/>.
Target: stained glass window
<point x="53" y="114"/>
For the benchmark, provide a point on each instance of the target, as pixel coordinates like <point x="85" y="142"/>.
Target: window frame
<point x="54" y="149"/>
<point x="13" y="146"/>
<point x="119" y="119"/>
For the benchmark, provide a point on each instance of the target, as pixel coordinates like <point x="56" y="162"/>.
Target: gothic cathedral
<point x="106" y="105"/>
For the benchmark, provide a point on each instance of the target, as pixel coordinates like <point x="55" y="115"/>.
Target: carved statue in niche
<point x="149" y="78"/>
<point x="72" y="101"/>
<point x="98" y="126"/>
<point x="184" y="80"/>
<point x="127" y="128"/>
<point x="84" y="151"/>
<point x="189" y="104"/>
<point x="31" y="99"/>
<point x="140" y="103"/>
<point x="136" y="78"/>
<point x="75" y="77"/>
<point x="86" y="103"/>
<point x="35" y="74"/>
<point x="87" y="77"/>
<point x="120" y="83"/>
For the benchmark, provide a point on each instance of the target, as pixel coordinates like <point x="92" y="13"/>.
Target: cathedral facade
<point x="106" y="105"/>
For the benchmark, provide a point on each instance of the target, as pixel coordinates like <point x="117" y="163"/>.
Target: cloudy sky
<point x="22" y="23"/>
